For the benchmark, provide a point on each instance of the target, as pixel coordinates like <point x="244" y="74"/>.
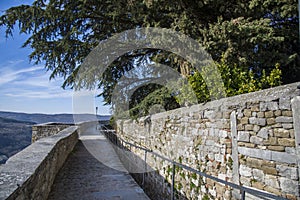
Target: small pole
<point x="173" y="183"/>
<point x="96" y="117"/>
<point x="145" y="167"/>
<point x="243" y="195"/>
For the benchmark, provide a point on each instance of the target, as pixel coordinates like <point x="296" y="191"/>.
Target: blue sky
<point x="25" y="87"/>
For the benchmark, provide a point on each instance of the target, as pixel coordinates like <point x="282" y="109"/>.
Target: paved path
<point x="84" y="177"/>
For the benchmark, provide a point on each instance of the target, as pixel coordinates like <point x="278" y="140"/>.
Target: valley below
<point x="16" y="129"/>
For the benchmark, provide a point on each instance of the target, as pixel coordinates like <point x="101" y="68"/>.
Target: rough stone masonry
<point x="251" y="139"/>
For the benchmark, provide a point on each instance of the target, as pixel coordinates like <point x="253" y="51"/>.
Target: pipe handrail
<point x="242" y="189"/>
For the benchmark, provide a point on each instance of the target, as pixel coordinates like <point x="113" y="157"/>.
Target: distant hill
<point x="15" y="135"/>
<point x="15" y="128"/>
<point x="44" y="118"/>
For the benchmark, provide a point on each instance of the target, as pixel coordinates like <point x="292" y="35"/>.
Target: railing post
<point x="145" y="169"/>
<point x="173" y="182"/>
<point x="243" y="195"/>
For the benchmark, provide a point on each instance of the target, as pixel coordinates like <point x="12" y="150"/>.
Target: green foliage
<point x="248" y="39"/>
<point x="192" y="185"/>
<point x="194" y="176"/>
<point x="206" y="197"/>
<point x="112" y="122"/>
<point x="159" y="100"/>
<point x="230" y="163"/>
<point x="237" y="80"/>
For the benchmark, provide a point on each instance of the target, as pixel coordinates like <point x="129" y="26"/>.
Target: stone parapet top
<point x="29" y="174"/>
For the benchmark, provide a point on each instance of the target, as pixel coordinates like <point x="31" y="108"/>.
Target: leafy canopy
<point x="248" y="39"/>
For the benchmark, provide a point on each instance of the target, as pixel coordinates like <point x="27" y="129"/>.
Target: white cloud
<point x="33" y="83"/>
<point x="29" y="82"/>
<point x="8" y="74"/>
<point x="41" y="94"/>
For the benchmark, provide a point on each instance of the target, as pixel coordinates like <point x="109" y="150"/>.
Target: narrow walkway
<point x="86" y="175"/>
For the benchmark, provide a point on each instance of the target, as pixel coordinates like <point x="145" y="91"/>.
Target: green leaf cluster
<point x="248" y="40"/>
<point x="236" y="81"/>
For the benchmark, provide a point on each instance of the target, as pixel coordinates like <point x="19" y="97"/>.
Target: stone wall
<point x="251" y="139"/>
<point x="47" y="129"/>
<point x="30" y="173"/>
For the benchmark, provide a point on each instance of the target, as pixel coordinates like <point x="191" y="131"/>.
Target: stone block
<point x="247" y="112"/>
<point x="246" y="144"/>
<point x="287" y="126"/>
<point x="287" y="172"/>
<point x="290" y="150"/>
<point x="212" y="192"/>
<point x="220" y="189"/>
<point x="258" y="175"/>
<point x="272" y="181"/>
<point x="269" y="114"/>
<point x="281" y="133"/>
<point x="277" y="125"/>
<point x="254" y="114"/>
<point x="269" y="170"/>
<point x="223" y="133"/>
<point x="210" y="114"/>
<point x="255" y="108"/>
<point x="271" y="121"/>
<point x="246" y="181"/>
<point x="256" y="128"/>
<point x="258" y="185"/>
<point x="268" y="163"/>
<point x="272" y="140"/>
<point x="244" y="120"/>
<point x="273" y="105"/>
<point x="256" y="140"/>
<point x="276" y="148"/>
<point x="287" y="142"/>
<point x="284" y="119"/>
<point x="273" y="190"/>
<point x="249" y="127"/>
<point x="227" y="195"/>
<point x="264" y="106"/>
<point x="263" y="133"/>
<point x="243" y="136"/>
<point x="256" y="153"/>
<point x="240" y="127"/>
<point x="291" y="197"/>
<point x="260" y="114"/>
<point x="277" y="113"/>
<point x="289" y="186"/>
<point x="283" y="157"/>
<point x="287" y="113"/>
<point x="226" y="115"/>
<point x="254" y="162"/>
<point x="285" y="103"/>
<point x="219" y="158"/>
<point x="257" y="121"/>
<point x="245" y="171"/>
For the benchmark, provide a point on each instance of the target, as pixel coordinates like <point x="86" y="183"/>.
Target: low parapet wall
<point x="251" y="139"/>
<point x="30" y="173"/>
<point x="45" y="130"/>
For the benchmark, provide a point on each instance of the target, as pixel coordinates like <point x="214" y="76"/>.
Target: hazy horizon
<point x="99" y="114"/>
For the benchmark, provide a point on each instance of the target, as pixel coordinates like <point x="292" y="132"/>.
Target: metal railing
<point x="119" y="142"/>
